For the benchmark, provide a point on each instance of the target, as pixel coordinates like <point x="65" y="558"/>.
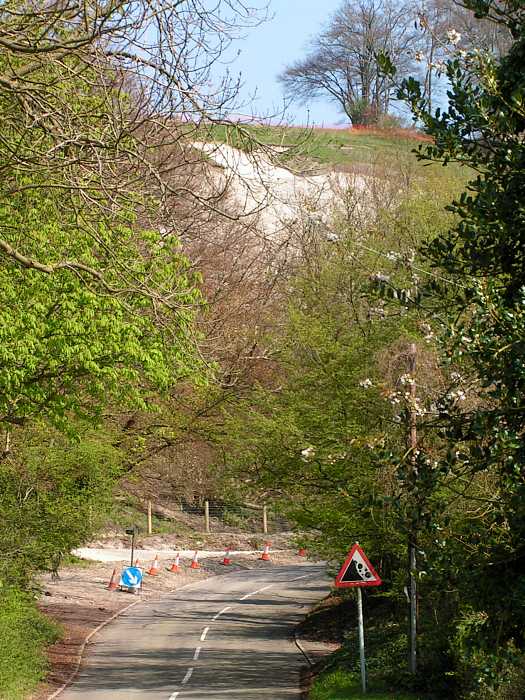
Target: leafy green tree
<point x="69" y="353"/>
<point x="96" y="158"/>
<point x="67" y="347"/>
<point x="482" y="321"/>
<point x="55" y="492"/>
<point x="308" y="443"/>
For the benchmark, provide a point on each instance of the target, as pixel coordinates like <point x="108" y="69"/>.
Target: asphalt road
<point x="224" y="637"/>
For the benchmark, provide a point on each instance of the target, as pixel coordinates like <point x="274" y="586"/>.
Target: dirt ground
<point x="195" y="540"/>
<point x="329" y="621"/>
<point x="80" y="601"/>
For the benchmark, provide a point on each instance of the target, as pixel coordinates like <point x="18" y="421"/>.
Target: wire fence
<point x="245" y="517"/>
<point x="218" y="516"/>
<point x="166" y="509"/>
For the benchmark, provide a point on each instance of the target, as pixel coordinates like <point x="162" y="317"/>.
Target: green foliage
<point x="361" y="114"/>
<point x="53" y="497"/>
<point x="484" y="673"/>
<point x="385" y="644"/>
<point x="94" y="308"/>
<point x="310" y="439"/>
<point x="313" y="436"/>
<point x="66" y="347"/>
<point x="475" y="527"/>
<point x="24" y="635"/>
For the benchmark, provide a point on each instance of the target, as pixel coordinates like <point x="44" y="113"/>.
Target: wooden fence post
<point x="207" y="516"/>
<point x="265" y="519"/>
<point x="150" y="524"/>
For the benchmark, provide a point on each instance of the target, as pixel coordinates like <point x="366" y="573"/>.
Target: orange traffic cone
<point x="137" y="563"/>
<point x="112" y="585"/>
<point x="155" y="567"/>
<point x="226" y="561"/>
<point x="301" y="552"/>
<point x="195" y="564"/>
<point x="174" y="568"/>
<point x="266" y="554"/>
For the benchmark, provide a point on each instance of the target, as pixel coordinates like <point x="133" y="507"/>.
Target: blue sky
<point x="267" y="49"/>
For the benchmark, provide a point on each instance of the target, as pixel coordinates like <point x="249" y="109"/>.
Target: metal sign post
<point x="361" y="639"/>
<point x="412" y="538"/>
<point x="132" y="531"/>
<point x="358" y="572"/>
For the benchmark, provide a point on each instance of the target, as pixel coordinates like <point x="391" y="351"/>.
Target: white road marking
<point x="299" y="577"/>
<point x="261" y="692"/>
<point x="259" y="590"/>
<point x="205" y="631"/>
<point x="221" y="612"/>
<point x="187" y="676"/>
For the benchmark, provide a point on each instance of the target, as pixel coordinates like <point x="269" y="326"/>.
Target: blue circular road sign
<point x="131" y="577"/>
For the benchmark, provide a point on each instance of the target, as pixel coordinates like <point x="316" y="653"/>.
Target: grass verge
<point x="340" y="684"/>
<point x="25" y="634"/>
<point x="337" y="677"/>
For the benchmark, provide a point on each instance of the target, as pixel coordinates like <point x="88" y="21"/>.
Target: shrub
<point x="54" y="496"/>
<point x="482" y="672"/>
<point x="390" y="122"/>
<point x="24" y="635"/>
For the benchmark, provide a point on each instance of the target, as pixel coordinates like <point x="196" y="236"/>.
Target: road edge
<point x="302" y="649"/>
<point x="101" y="626"/>
<point x="83" y="647"/>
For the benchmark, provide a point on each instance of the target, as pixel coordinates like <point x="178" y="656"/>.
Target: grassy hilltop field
<point x="335" y="148"/>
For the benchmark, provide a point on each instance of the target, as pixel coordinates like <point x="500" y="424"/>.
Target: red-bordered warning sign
<point x="357" y="571"/>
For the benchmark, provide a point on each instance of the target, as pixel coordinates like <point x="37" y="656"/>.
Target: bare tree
<point x="447" y="25"/>
<point x="482" y="34"/>
<point x="100" y="101"/>
<point x="342" y="60"/>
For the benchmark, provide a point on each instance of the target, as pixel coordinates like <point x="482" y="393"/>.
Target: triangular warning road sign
<point x="357" y="571"/>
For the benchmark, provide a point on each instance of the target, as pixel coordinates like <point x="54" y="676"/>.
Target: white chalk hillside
<point x="274" y="195"/>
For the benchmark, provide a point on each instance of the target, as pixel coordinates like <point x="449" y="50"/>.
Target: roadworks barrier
<point x="113" y="585"/>
<point x="266" y="554"/>
<point x="194" y="562"/>
<point x="175" y="567"/>
<point x="227" y="559"/>
<point x="154" y="569"/>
